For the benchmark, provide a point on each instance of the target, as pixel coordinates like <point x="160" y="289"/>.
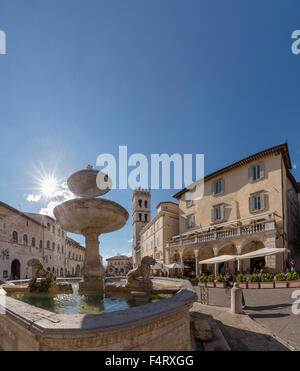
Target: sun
<point x="48" y="186"/>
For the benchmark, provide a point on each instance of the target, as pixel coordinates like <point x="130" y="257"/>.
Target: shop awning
<point x="219" y="259"/>
<point x="266" y="251"/>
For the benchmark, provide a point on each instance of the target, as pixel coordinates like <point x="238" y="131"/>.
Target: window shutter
<point x="213" y="214"/>
<point x="222" y="208"/>
<point x="213" y="188"/>
<point x="193" y="220"/>
<point x="262" y="169"/>
<point x="250" y="174"/>
<point x="222" y="185"/>
<point x="251" y="206"/>
<point x="262" y="201"/>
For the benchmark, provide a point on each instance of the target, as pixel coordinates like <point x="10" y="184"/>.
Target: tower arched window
<point x="146" y="204"/>
<point x="15" y="236"/>
<point x="146" y="217"/>
<point x="140" y="203"/>
<point x="140" y="217"/>
<point x="25" y="239"/>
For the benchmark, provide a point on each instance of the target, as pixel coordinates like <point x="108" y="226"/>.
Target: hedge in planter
<point x="220" y="281"/>
<point x="202" y="280"/>
<point x="267" y="281"/>
<point x="294" y="279"/>
<point x="211" y="281"/>
<point x="280" y="280"/>
<point x="253" y="281"/>
<point x="241" y="280"/>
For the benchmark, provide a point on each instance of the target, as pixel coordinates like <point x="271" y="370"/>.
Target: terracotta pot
<point x="210" y="284"/>
<point x="294" y="283"/>
<point x="267" y="285"/>
<point x="253" y="285"/>
<point x="203" y="284"/>
<point x="221" y="284"/>
<point x="281" y="284"/>
<point x="242" y="285"/>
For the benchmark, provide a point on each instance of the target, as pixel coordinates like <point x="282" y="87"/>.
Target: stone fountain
<point x="91" y="217"/>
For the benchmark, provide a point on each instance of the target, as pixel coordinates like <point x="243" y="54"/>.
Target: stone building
<point x="141" y="215"/>
<point x="74" y="258"/>
<point x="154" y="236"/>
<point x="249" y="205"/>
<point x="118" y="265"/>
<point x="24" y="236"/>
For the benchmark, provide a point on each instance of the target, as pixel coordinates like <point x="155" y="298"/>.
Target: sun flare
<point x="48" y="186"/>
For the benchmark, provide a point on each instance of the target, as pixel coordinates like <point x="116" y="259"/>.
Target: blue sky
<point x="82" y="77"/>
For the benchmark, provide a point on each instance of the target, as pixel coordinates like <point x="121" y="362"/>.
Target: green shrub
<point x="293" y="276"/>
<point x="266" y="277"/>
<point x="253" y="278"/>
<point x="220" y="279"/>
<point x="211" y="278"/>
<point x="241" y="278"/>
<point x="280" y="277"/>
<point x="203" y="278"/>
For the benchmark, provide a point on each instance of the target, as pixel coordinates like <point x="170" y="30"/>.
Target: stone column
<point x="93" y="271"/>
<point x="240" y="262"/>
<point x="196" y="251"/>
<point x="181" y="261"/>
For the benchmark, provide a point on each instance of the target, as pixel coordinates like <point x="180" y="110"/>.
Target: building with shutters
<point x="246" y="206"/>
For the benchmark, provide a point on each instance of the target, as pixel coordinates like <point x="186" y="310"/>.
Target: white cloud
<point x="61" y="194"/>
<point x="130" y="241"/>
<point x="295" y="166"/>
<point x="33" y="198"/>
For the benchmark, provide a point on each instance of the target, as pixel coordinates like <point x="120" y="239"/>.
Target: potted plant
<point x="220" y="281"/>
<point x="280" y="281"/>
<point x="210" y="281"/>
<point x="242" y="281"/>
<point x="253" y="281"/>
<point x="294" y="279"/>
<point x="267" y="281"/>
<point x="202" y="280"/>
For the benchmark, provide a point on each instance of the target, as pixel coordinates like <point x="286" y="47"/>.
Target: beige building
<point x="118" y="265"/>
<point x="249" y="205"/>
<point x="24" y="236"/>
<point x="159" y="230"/>
<point x="75" y="254"/>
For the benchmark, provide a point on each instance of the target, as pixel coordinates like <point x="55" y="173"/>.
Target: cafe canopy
<point x="266" y="251"/>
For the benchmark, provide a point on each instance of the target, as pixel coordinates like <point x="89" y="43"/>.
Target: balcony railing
<point x="228" y="233"/>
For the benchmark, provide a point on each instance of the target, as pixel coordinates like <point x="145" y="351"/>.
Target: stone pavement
<point x="271" y="309"/>
<point x="240" y="332"/>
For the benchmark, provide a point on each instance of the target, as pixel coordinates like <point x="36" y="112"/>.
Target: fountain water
<point x="90" y="216"/>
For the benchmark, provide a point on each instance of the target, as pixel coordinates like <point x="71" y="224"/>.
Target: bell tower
<point x="141" y="215"/>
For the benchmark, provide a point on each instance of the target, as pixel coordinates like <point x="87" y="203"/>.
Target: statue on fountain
<point x="138" y="278"/>
<point x="47" y="282"/>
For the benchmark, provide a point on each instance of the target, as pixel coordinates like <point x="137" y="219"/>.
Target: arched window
<point x="48" y="244"/>
<point x="140" y="217"/>
<point x="69" y="254"/>
<point x="58" y="248"/>
<point x="25" y="239"/>
<point x="76" y="257"/>
<point x="41" y="244"/>
<point x="53" y="270"/>
<point x="33" y="242"/>
<point x="146" y="204"/>
<point x="48" y="226"/>
<point x="15" y="236"/>
<point x="146" y="217"/>
<point x="140" y="203"/>
<point x="53" y="245"/>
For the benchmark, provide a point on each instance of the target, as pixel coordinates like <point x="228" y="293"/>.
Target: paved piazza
<point x="271" y="309"/>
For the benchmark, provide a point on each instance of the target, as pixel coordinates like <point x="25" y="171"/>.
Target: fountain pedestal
<point x="93" y="271"/>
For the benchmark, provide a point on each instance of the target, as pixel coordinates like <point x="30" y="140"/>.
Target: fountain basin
<point x="163" y="325"/>
<point x="93" y="215"/>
